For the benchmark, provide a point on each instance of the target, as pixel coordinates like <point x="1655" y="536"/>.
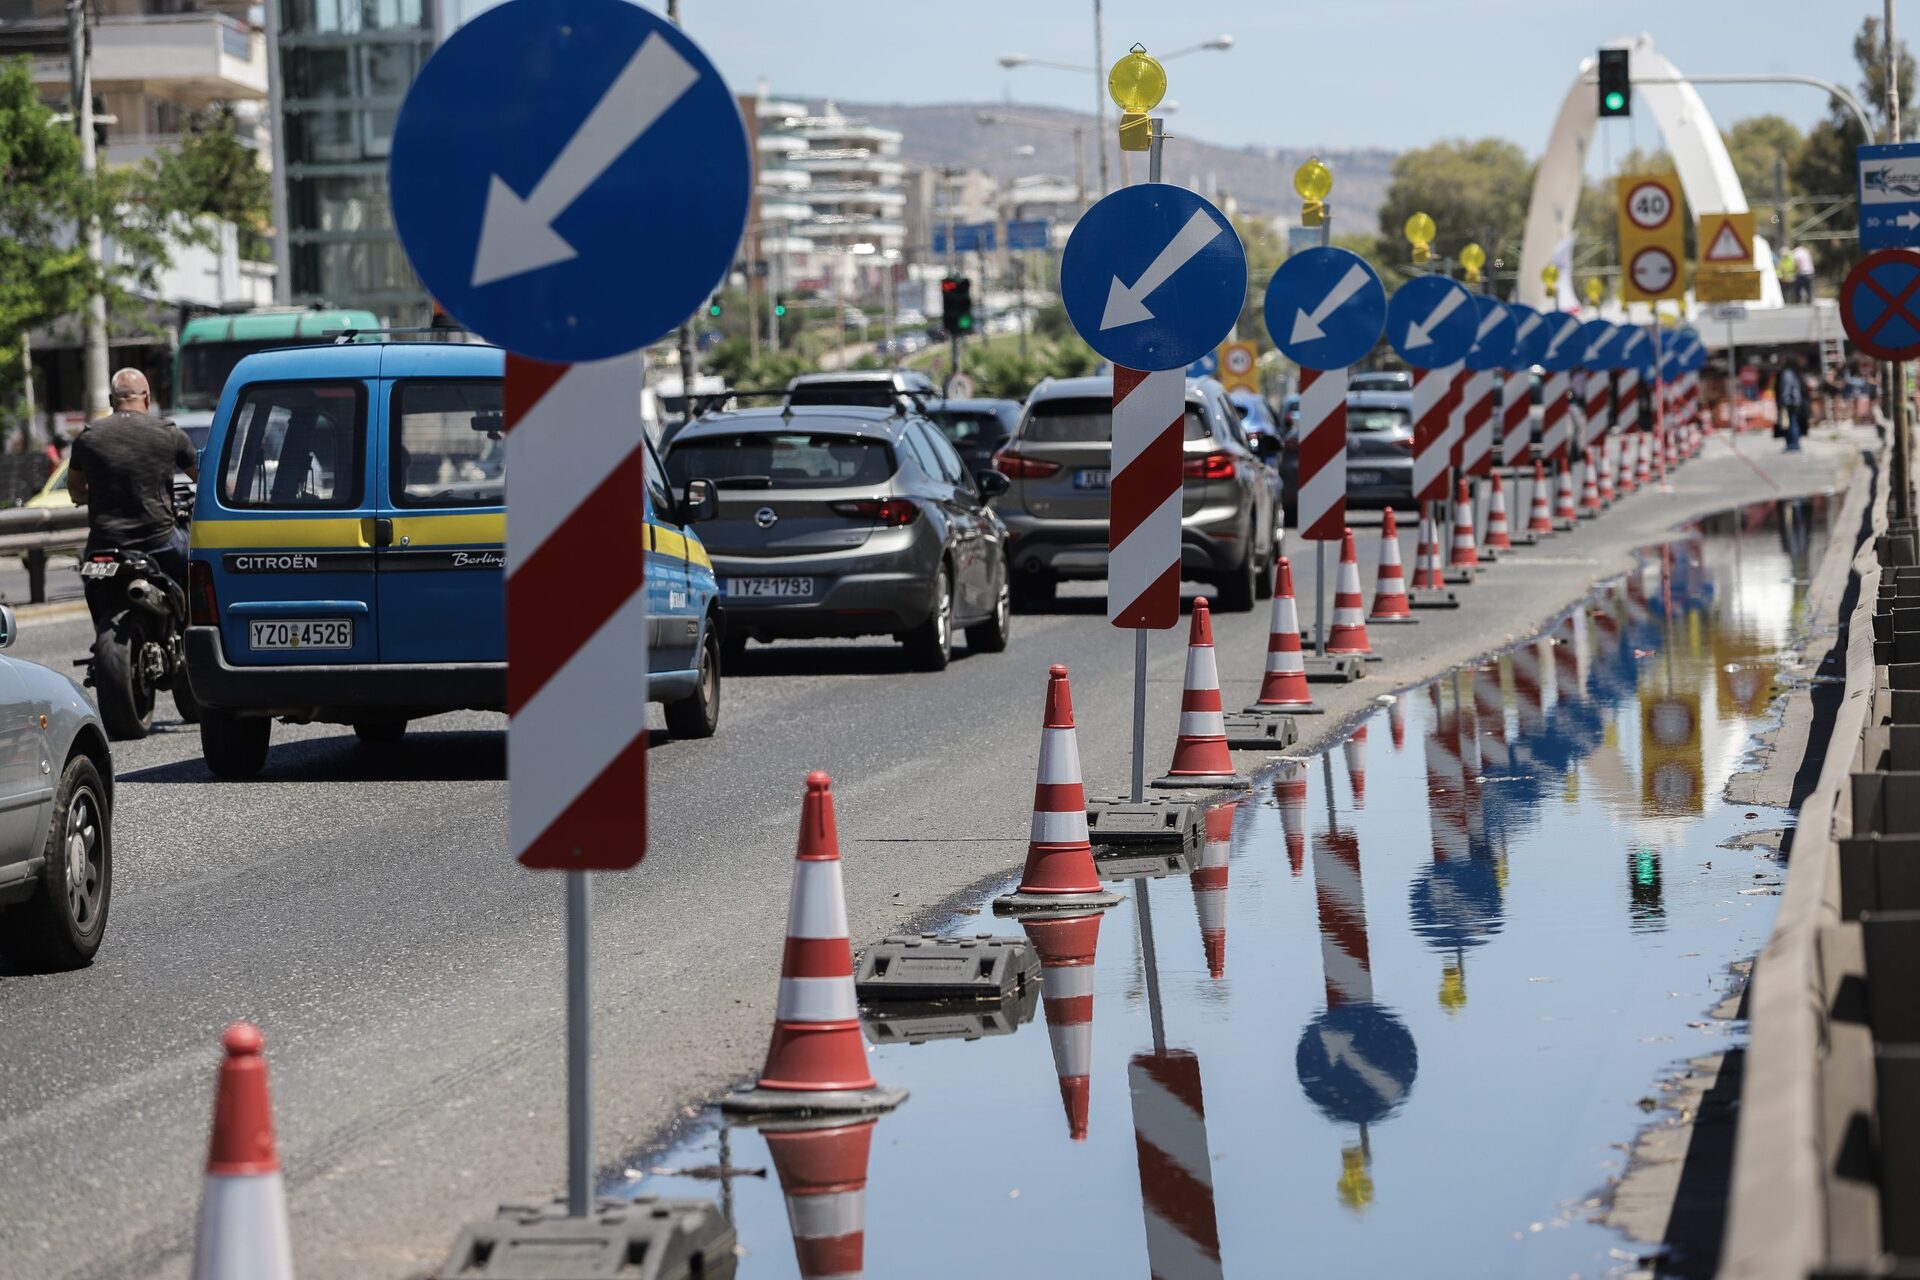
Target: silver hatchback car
<point x="1056" y="505"/>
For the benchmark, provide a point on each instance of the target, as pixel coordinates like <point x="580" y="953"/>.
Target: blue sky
<point x="1393" y="73"/>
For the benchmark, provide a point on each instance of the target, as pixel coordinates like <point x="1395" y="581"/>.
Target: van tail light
<point x="891" y="513"/>
<point x="203" y="610"/>
<point x="1019" y="467"/>
<point x="1208" y="466"/>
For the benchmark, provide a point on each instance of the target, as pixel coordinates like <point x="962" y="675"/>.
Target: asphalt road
<point x="360" y="906"/>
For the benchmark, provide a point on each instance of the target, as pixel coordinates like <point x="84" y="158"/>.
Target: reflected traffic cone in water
<point x="1066" y="948"/>
<point x="1209" y="882"/>
<point x="1390" y="583"/>
<point x="1290" y="792"/>
<point x="242" y="1230"/>
<point x="1285" y="684"/>
<point x="1176" y="1167"/>
<point x="1465" y="554"/>
<point x="823" y="1176"/>
<point x="817" y="1061"/>
<point x="1541" y="520"/>
<point x="1498" y="538"/>
<point x="1200" y="755"/>
<point x="1348" y="634"/>
<point x="1354" y="751"/>
<point x="1060" y="874"/>
<point x="1397" y="721"/>
<point x="1590" y="490"/>
<point x="1563" y="509"/>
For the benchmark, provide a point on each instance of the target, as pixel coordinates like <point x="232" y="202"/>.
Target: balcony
<point x="853" y="160"/>
<point x="778" y="209"/>
<point x="192" y="58"/>
<point x="854" y="194"/>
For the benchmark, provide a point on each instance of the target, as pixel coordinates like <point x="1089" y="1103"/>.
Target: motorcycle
<point x="139" y="650"/>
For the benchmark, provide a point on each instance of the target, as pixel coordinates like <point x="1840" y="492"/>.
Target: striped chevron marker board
<point x="1323" y="454"/>
<point x="1176" y="1167"/>
<point x="1145" y="495"/>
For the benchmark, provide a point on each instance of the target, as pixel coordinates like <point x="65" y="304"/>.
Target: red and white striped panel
<point x="1143" y="523"/>
<point x="1530" y="712"/>
<point x="1556" y="422"/>
<point x="1476" y="451"/>
<point x="1322" y="434"/>
<point x="1599" y="392"/>
<point x="1176" y="1170"/>
<point x="1456" y="412"/>
<point x="1430" y="458"/>
<point x="1490" y="715"/>
<point x="576" y="615"/>
<point x="1446" y="782"/>
<point x="1516" y="417"/>
<point x="1627" y="401"/>
<point x="1342" y="904"/>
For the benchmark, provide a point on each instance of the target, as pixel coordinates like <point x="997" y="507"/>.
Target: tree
<point x="1266" y="249"/>
<point x="214" y="174"/>
<point x="1474" y="191"/>
<point x="1824" y="165"/>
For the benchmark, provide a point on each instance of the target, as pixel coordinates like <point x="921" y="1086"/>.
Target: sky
<point x="1337" y="73"/>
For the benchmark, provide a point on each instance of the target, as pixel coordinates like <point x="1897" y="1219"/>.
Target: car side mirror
<point x="9" y="627"/>
<point x="700" y="502"/>
<point x="992" y="483"/>
<point x="1266" y="446"/>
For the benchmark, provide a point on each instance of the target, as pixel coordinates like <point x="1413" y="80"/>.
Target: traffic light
<point x="779" y="305"/>
<point x="956" y="304"/>
<point x="1616" y="88"/>
<point x="713" y="307"/>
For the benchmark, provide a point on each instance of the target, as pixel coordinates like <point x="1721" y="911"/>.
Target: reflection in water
<point x="1456" y="899"/>
<point x="823" y="1177"/>
<point x="1290" y="794"/>
<point x="1066" y="949"/>
<point x="1209" y="881"/>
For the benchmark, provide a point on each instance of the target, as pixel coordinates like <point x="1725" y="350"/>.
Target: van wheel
<point x="379" y="733"/>
<point x="234" y="746"/>
<point x="126" y="699"/>
<point x="930" y="645"/>
<point x="698" y="714"/>
<point x="61" y="925"/>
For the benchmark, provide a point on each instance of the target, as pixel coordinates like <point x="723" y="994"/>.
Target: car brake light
<point x="1209" y="466"/>
<point x="203" y="610"/>
<point x="890" y="512"/>
<point x="1404" y="446"/>
<point x="1014" y="465"/>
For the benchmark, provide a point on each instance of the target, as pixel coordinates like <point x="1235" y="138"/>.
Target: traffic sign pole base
<point x="1458" y="575"/>
<point x="1428" y="598"/>
<point x="1289" y="709"/>
<point x="1057" y="904"/>
<point x="817" y="1102"/>
<point x="1142" y="864"/>
<point x="1206" y="781"/>
<point x="1331" y="668"/>
<point x="1260" y="731"/>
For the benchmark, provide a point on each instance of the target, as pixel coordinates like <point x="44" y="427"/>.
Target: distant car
<point x="56" y="830"/>
<point x="975" y="428"/>
<point x="844" y="520"/>
<point x="1379" y="452"/>
<point x="875" y="388"/>
<point x="1256" y="415"/>
<point x="1059" y="461"/>
<point x="1381" y="380"/>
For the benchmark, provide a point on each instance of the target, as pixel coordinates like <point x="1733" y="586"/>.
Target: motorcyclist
<point x="122" y="467"/>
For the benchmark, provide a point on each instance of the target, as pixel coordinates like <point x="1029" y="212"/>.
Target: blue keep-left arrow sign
<point x="1325" y="308"/>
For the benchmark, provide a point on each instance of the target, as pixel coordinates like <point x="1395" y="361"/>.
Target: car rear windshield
<point x="448" y="446"/>
<point x="295" y="445"/>
<point x="1371" y="419"/>
<point x="782" y="460"/>
<point x="964" y="428"/>
<point x="872" y="395"/>
<point x="1088" y="420"/>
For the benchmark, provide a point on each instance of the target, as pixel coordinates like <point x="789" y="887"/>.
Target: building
<point x="776" y="234"/>
<point x="857" y="200"/>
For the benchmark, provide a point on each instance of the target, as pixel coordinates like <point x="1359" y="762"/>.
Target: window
<point x="1377" y="418"/>
<point x="966" y="428"/>
<point x="296" y="445"/>
<point x="449" y="444"/>
<point x="946" y="461"/>
<point x="922" y="453"/>
<point x="1090" y="421"/>
<point x="782" y="460"/>
<point x="664" y="507"/>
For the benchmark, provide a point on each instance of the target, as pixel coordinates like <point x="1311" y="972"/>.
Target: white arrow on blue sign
<point x="1493" y="337"/>
<point x="1431" y="321"/>
<point x="1597" y="340"/>
<point x="1563" y="343"/>
<point x="570" y="177"/>
<point x="1325" y="308"/>
<point x="1530" y="336"/>
<point x="1635" y="351"/>
<point x="1153" y="277"/>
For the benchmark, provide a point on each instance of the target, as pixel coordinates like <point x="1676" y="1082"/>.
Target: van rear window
<point x="1088" y="421"/>
<point x="296" y="445"/>
<point x="782" y="460"/>
<point x="449" y="449"/>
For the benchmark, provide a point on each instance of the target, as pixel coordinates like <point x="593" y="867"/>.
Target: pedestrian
<point x="1802" y="273"/>
<point x="1783" y="269"/>
<point x="1790" y="396"/>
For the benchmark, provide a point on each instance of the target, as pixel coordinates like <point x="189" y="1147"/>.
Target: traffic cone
<point x="1673" y="451"/>
<point x="242" y="1230"/>
<point x="1285" y="685"/>
<point x="1563" y="512"/>
<point x="1066" y="949"/>
<point x="1060" y="875"/>
<point x="1657" y="445"/>
<point x="1590" y="490"/>
<point x="1348" y="634"/>
<point x="1209" y="882"/>
<point x="1606" y="472"/>
<point x="1465" y="554"/>
<point x="1390" y="584"/>
<point x="817" y="1060"/>
<point x="1646" y="459"/>
<point x="1200" y="755"/>
<point x="1354" y="749"/>
<point x="1498" y="538"/>
<point x="1624" y="472"/>
<point x="823" y="1177"/>
<point x="1290" y="793"/>
<point x="1541" y="521"/>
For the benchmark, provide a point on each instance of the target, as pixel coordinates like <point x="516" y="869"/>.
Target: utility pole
<point x="80" y="68"/>
<point x="1100" y="88"/>
<point x="1902" y="442"/>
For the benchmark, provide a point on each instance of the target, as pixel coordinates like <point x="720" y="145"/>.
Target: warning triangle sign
<point x="1727" y="247"/>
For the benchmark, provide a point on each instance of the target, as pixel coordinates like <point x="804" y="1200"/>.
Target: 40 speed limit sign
<point x="1239" y="367"/>
<point x="1653" y="237"/>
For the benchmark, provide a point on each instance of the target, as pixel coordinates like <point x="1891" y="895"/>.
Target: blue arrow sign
<point x="1563" y="343"/>
<point x="570" y="177"/>
<point x="1597" y="341"/>
<point x="1431" y="321"/>
<point x="1493" y="339"/>
<point x="1153" y="277"/>
<point x="1325" y="308"/>
<point x="1889" y="187"/>
<point x="1635" y="351"/>
<point x="1356" y="1063"/>
<point x="1530" y="336"/>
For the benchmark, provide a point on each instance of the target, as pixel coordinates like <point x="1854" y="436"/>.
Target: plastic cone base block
<point x="1458" y="575"/>
<point x="1395" y="622"/>
<point x="803" y="1102"/>
<point x="1208" y="781"/>
<point x="1433" y="599"/>
<point x="1332" y="668"/>
<point x="1269" y="730"/>
<point x="1524" y="538"/>
<point x="1058" y="904"/>
<point x="1289" y="709"/>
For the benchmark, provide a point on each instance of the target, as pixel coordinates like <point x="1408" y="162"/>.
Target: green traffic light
<point x="714" y="311"/>
<point x="966" y="322"/>
<point x="1645" y="868"/>
<point x="1616" y="100"/>
<point x="780" y="309"/>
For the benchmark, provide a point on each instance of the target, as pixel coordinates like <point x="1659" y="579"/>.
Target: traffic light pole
<point x="80" y="62"/>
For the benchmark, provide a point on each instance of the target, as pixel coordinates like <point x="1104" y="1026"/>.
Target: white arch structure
<point x="1692" y="139"/>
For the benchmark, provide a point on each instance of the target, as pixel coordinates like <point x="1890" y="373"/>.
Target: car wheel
<point x="992" y="635"/>
<point x="1238" y="586"/>
<point x="61" y="926"/>
<point x="378" y="733"/>
<point x="1033" y="591"/>
<point x="183" y="700"/>
<point x="698" y="714"/>
<point x="234" y="746"/>
<point x="120" y="680"/>
<point x="930" y="645"/>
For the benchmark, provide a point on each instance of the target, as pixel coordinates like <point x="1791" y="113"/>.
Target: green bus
<point x="211" y="345"/>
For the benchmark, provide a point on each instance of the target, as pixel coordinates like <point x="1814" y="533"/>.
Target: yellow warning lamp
<point x="1313" y="181"/>
<point x="1550" y="277"/>
<point x="1453" y="988"/>
<point x="1596" y="289"/>
<point x="1136" y="84"/>
<point x="1356" y="1181"/>
<point x="1420" y="232"/>
<point x="1473" y="257"/>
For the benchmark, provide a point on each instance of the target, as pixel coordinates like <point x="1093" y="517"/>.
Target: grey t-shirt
<point x="129" y="460"/>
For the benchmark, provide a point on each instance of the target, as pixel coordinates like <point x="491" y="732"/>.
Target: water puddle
<point x="1404" y="1016"/>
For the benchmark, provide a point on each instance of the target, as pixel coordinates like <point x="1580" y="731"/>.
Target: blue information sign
<point x="968" y="237"/>
<point x="1028" y="233"/>
<point x="1598" y="338"/>
<point x="1493" y="342"/>
<point x="1889" y="185"/>
<point x="1530" y="335"/>
<point x="1153" y="277"/>
<point x="1563" y="342"/>
<point x="1325" y="308"/>
<point x="1431" y="321"/>
<point x="570" y="177"/>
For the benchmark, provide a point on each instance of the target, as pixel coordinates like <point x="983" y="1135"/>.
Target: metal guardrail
<point x="36" y="532"/>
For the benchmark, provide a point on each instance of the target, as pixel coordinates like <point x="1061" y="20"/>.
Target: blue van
<point x="349" y="548"/>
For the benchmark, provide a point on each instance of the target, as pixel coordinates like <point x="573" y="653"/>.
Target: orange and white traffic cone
<point x="1354" y="749"/>
<point x="1200" y="754"/>
<point x="1541" y="519"/>
<point x="1623" y="474"/>
<point x="1498" y="539"/>
<point x="1066" y="949"/>
<point x="1589" y="491"/>
<point x="817" y="1060"/>
<point x="1606" y="472"/>
<point x="1673" y="449"/>
<point x="1285" y="685"/>
<point x="242" y="1230"/>
<point x="1564" y="514"/>
<point x="1060" y="874"/>
<point x="1646" y="460"/>
<point x="1290" y="793"/>
<point x="1209" y="882"/>
<point x="1426" y="552"/>
<point x="1390" y="583"/>
<point x="1465" y="554"/>
<point x="823" y="1176"/>
<point x="1348" y="634"/>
